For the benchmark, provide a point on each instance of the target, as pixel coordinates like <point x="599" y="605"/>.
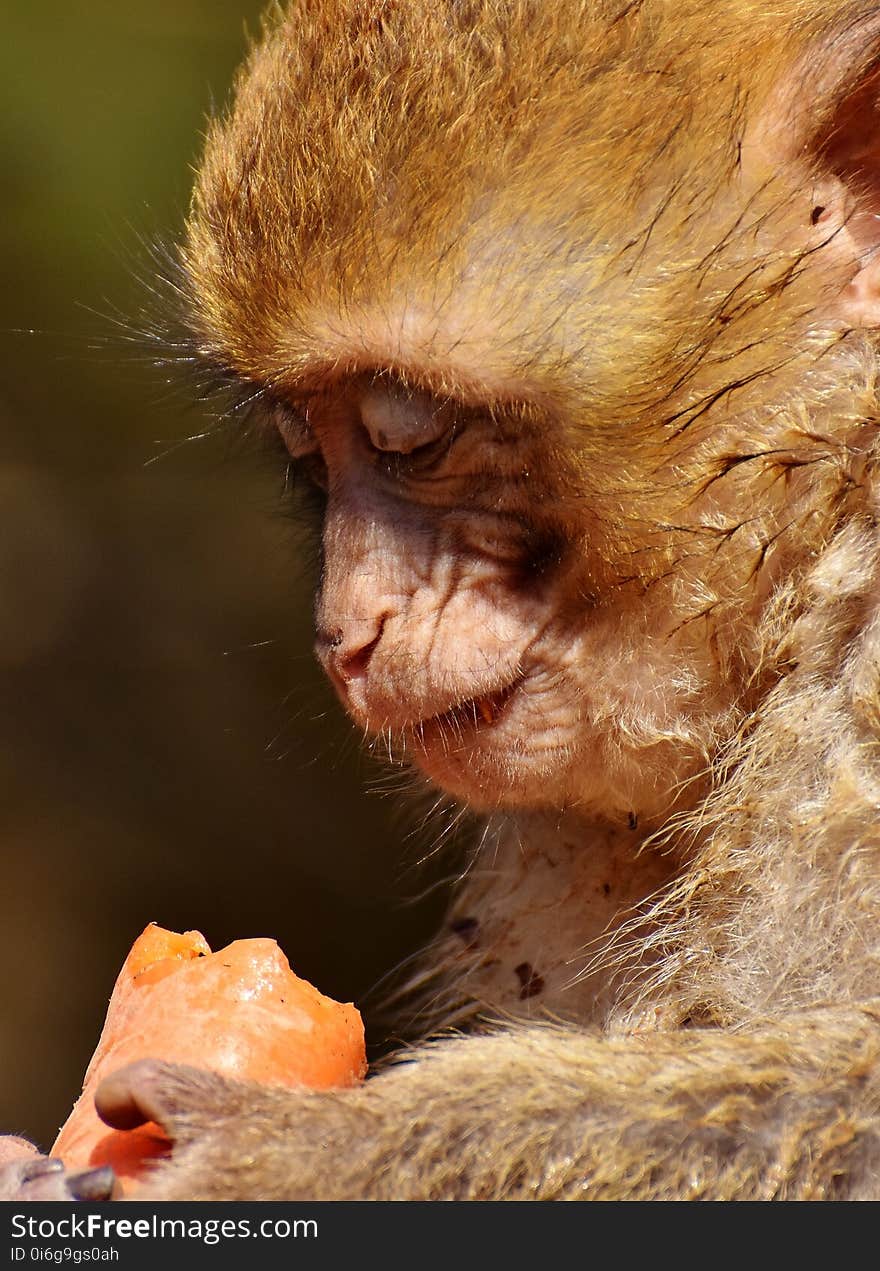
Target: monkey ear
<point x="838" y="102"/>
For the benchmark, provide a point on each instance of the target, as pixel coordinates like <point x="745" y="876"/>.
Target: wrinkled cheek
<point x="442" y="654"/>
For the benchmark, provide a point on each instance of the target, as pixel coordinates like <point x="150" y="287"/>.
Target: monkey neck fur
<point x="536" y="914"/>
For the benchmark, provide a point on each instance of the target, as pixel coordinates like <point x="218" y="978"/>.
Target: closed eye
<point x="418" y="460"/>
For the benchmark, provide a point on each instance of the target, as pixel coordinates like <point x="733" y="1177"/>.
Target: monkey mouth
<point x="489" y="752"/>
<point x="474" y="713"/>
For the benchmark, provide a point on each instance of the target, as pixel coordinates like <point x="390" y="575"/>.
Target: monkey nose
<point x="346" y="653"/>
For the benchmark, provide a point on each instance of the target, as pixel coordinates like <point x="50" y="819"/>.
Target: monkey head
<point x="571" y="325"/>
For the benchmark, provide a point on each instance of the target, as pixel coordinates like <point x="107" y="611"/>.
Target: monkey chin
<point x="494" y="765"/>
<point x="489" y="782"/>
<point x="523" y="762"/>
<point x="553" y="779"/>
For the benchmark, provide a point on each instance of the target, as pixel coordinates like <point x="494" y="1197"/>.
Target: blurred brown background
<point x="167" y="750"/>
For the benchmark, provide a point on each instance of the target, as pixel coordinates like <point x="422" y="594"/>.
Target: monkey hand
<point x="26" y="1175"/>
<point x="541" y="1112"/>
<point x="217" y="1128"/>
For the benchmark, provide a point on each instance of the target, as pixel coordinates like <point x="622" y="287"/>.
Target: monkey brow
<point x="295" y="390"/>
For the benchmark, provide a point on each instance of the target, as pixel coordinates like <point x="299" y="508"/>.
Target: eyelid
<point x="428" y="451"/>
<point x="402" y="422"/>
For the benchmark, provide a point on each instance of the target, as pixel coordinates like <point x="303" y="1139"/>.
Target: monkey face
<point x="468" y="615"/>
<point x="439" y="579"/>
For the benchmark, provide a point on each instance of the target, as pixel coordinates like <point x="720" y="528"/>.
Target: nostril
<point x="346" y="653"/>
<point x="351" y="666"/>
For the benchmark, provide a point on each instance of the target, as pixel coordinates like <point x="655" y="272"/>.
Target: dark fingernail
<point x="94" y="1184"/>
<point x="44" y="1165"/>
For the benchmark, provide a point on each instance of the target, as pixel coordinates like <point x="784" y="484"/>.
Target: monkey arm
<point x="788" y="1110"/>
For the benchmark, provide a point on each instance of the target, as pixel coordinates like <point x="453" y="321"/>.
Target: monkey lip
<point x="475" y="712"/>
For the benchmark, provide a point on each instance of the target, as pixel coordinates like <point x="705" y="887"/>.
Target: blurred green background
<point x="168" y="752"/>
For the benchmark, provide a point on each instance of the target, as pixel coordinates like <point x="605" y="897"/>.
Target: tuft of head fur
<point x="455" y="188"/>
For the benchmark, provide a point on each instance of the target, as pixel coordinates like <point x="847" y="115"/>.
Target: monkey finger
<point x="34" y="1177"/>
<point x="169" y="1094"/>
<point x="131" y="1096"/>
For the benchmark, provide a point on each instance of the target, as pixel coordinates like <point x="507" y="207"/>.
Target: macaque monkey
<point x="569" y="312"/>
